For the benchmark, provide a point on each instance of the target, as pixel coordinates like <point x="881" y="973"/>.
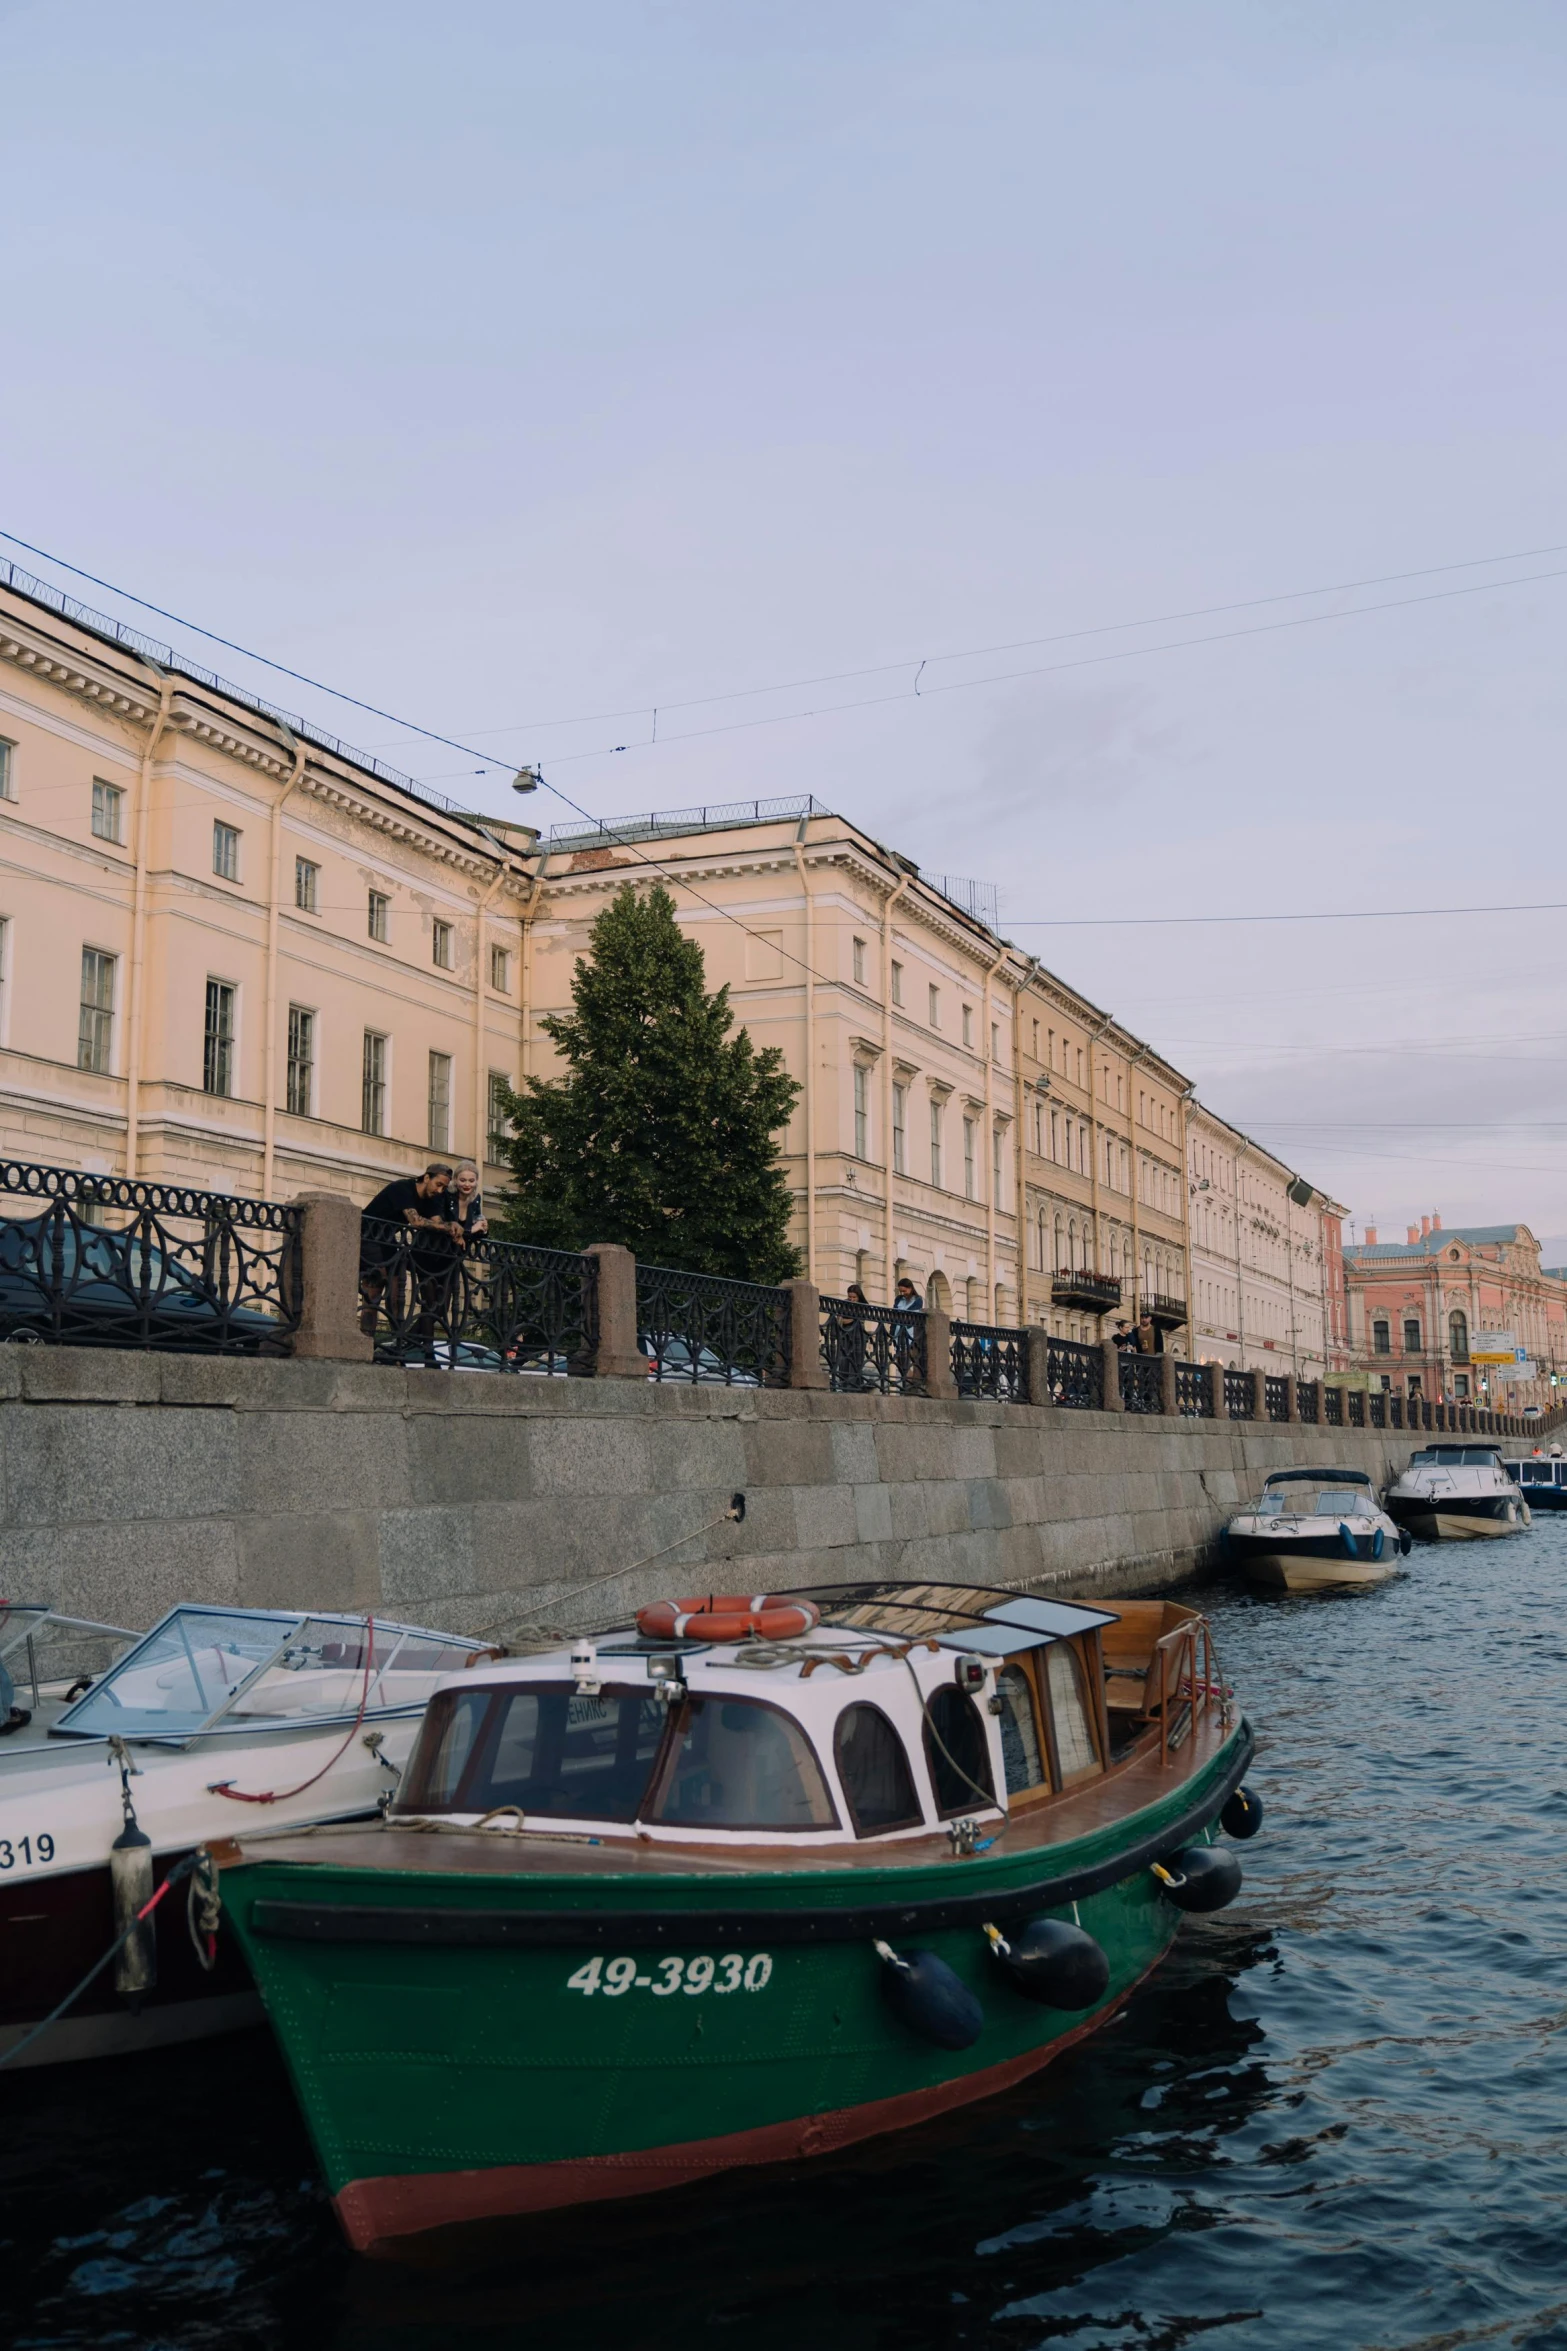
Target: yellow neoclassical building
<point x="236" y="953"/>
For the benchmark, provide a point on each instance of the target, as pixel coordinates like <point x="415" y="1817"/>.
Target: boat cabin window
<point x="878" y="1785"/>
<point x="548" y="1750"/>
<point x="1455" y="1457"/>
<point x="1023" y="1756"/>
<point x="735" y="1763"/>
<point x="1338" y="1502"/>
<point x="956" y="1751"/>
<point x="1075" y="1749"/>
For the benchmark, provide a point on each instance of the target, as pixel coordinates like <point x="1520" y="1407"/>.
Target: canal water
<point x="1338" y="2115"/>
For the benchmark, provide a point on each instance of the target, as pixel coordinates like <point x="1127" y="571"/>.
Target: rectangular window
<point x="1381" y="1339"/>
<point x="862" y="1111"/>
<point x="498" y="1125"/>
<point x="225" y="851"/>
<point x="968" y="1159"/>
<point x="935" y="1143"/>
<point x="372" y="1094"/>
<point x="859" y="963"/>
<point x="441" y="946"/>
<point x="217" y="1044"/>
<point x="301" y="1060"/>
<point x="306" y="883"/>
<point x="998" y="1160"/>
<point x="900" y="1102"/>
<point x="97" y="1010"/>
<point x="897" y="983"/>
<point x="107" y="802"/>
<point x="5" y="973"/>
<point x="1055" y="1135"/>
<point x="934" y="995"/>
<point x="380" y="907"/>
<point x="995" y="1040"/>
<point x="440" y="1102"/>
<point x="500" y="970"/>
<point x="7" y="770"/>
<point x="1411" y="1336"/>
<point x="968" y="1025"/>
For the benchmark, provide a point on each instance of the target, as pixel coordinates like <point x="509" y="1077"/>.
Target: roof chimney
<point x="1425" y="1227"/>
<point x="1411" y="1232"/>
<point x="1371" y="1236"/>
<point x="1436" y="1224"/>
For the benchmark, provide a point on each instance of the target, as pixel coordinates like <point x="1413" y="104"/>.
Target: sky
<point x="523" y="371"/>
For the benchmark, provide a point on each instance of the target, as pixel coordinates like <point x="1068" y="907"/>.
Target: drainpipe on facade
<point x="274" y="918"/>
<point x="1019" y="990"/>
<point x="135" y="1010"/>
<point x="1093" y="1147"/>
<point x="889" y="1276"/>
<point x="1131" y="1120"/>
<point x="1185" y="1100"/>
<point x="990" y="1138"/>
<point x="485" y="903"/>
<point x="810" y="1053"/>
<point x="1240" y="1278"/>
<point x="1289" y="1257"/>
<point x="525" y="981"/>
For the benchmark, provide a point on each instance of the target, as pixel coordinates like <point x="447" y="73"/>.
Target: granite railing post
<point x="939" y="1380"/>
<point x="1169" y="1398"/>
<point x="618" y="1356"/>
<point x="1037" y="1341"/>
<point x="329" y="1281"/>
<point x="1259" y="1395"/>
<point x="806" y="1368"/>
<point x="1112" y="1362"/>
<point x="1291" y="1399"/>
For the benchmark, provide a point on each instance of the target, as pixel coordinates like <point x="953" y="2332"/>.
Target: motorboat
<point x="1457" y="1493"/>
<point x="1541" y="1479"/>
<point x="1315" y="1530"/>
<point x="123" y="1764"/>
<point x="744" y="1881"/>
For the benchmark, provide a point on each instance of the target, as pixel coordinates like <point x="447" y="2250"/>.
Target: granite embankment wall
<point x="467" y="1500"/>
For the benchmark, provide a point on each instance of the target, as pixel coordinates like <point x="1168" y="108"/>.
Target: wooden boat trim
<point x="431" y="1924"/>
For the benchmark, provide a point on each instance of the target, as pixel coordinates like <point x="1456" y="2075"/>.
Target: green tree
<point x="661" y="1133"/>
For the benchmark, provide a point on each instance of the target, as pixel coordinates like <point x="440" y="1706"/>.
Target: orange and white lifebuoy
<point x="728" y="1616"/>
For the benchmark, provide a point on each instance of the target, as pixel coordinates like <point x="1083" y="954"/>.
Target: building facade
<point x="233" y="954"/>
<point x="1265" y="1252"/>
<point x="1419" y="1309"/>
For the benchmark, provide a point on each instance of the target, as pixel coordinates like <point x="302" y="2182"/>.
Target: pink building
<point x="1419" y="1307"/>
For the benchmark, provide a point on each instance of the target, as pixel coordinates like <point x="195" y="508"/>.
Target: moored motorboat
<point x="1315" y="1530"/>
<point x="120" y="1771"/>
<point x="1541" y="1479"/>
<point x="1457" y="1493"/>
<point x="686" y="1898"/>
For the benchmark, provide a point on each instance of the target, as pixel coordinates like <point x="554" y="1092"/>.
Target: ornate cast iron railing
<point x="1239" y="1402"/>
<point x="501" y="1306"/>
<point x="872" y="1349"/>
<point x="1077" y="1375"/>
<point x="101" y="1261"/>
<point x="704" y="1329"/>
<point x="1168" y="1312"/>
<point x="1333" y="1407"/>
<point x="1276" y="1397"/>
<point x="1142" y="1381"/>
<point x="1193" y="1391"/>
<point x="1308" y="1400"/>
<point x="1378" y="1409"/>
<point x="1098" y="1293"/>
<point x="989" y="1360"/>
<point x="1395" y="1412"/>
<point x="1357" y="1408"/>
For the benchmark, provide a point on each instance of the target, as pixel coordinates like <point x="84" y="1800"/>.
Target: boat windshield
<point x="554" y="1753"/>
<point x="241" y="1670"/>
<point x="1455" y="1457"/>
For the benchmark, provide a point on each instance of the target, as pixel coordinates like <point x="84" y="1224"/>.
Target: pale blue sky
<point x="505" y="363"/>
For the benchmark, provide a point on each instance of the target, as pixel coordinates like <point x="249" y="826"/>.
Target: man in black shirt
<point x="421" y="1206"/>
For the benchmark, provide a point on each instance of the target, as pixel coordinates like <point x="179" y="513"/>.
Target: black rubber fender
<point x="1203" y="1877"/>
<point x="927" y="1996"/>
<point x="1053" y="1963"/>
<point x="1242" y="1816"/>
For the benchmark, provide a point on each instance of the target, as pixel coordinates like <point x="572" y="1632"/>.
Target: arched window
<point x="878" y="1785"/>
<point x="1381" y="1336"/>
<point x="1060" y="1264"/>
<point x="955" y="1751"/>
<point x="1071" y="1245"/>
<point x="1458" y="1336"/>
<point x="1044" y="1245"/>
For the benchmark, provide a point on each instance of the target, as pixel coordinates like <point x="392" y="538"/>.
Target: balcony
<point x="1089" y="1293"/>
<point x="1167" y="1314"/>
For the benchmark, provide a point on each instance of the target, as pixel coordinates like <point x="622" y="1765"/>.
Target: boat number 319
<point x="664" y="1976"/>
<point x="27" y="1850"/>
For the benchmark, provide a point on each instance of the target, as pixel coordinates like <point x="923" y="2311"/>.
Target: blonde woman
<point x="468" y="1220"/>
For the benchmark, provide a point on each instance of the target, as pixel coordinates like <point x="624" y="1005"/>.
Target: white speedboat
<point x="1457" y="1492"/>
<point x="1315" y="1530"/>
<point x="217" y="1717"/>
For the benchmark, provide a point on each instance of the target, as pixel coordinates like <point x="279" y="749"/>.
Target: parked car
<point x="82" y="1285"/>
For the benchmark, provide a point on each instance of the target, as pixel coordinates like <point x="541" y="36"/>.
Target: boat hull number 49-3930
<point x="731" y="1973"/>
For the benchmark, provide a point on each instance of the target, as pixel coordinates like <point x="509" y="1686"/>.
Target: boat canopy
<point x="1318" y="1477"/>
<point x="960" y="1616"/>
<point x="240" y="1670"/>
<point x="1456" y="1457"/>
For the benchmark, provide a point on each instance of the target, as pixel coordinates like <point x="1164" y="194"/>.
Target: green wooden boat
<point x="670" y="1902"/>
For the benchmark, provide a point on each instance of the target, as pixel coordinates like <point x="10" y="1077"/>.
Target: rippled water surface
<point x="1337" y="2116"/>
